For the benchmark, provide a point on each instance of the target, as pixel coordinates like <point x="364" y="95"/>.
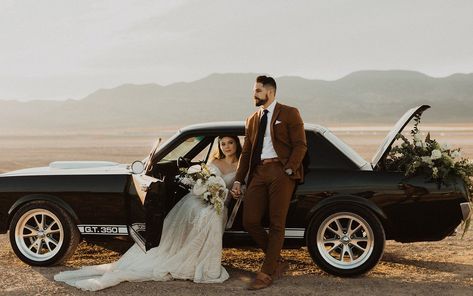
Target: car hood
<point x="398" y="127"/>
<point x="74" y="168"/>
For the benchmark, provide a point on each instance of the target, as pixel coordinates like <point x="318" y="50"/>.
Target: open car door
<point x="147" y="211"/>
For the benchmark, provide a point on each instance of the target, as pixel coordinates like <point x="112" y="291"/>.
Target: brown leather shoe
<point x="261" y="281"/>
<point x="282" y="267"/>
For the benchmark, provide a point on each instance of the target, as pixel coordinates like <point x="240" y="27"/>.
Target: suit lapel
<point x="253" y="133"/>
<point x="256" y="127"/>
<point x="277" y="109"/>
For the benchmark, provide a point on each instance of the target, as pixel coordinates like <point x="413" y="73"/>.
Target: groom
<point x="270" y="162"/>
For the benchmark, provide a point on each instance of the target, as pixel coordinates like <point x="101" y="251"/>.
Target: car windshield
<point x="183" y="148"/>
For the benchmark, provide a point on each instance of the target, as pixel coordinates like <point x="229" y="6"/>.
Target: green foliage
<point x="427" y="157"/>
<point x="439" y="163"/>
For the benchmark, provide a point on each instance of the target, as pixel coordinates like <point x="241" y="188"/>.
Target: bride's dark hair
<point x="218" y="154"/>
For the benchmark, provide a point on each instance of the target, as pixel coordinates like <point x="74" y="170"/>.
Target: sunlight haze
<point x="69" y="49"/>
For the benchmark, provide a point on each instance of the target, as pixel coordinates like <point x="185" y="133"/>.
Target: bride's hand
<point x="236" y="190"/>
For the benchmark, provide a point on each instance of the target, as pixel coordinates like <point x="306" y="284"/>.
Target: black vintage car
<point x="343" y="212"/>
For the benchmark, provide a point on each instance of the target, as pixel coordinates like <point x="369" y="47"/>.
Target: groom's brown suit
<point x="269" y="187"/>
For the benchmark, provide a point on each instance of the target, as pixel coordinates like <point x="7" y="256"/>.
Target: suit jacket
<point x="287" y="135"/>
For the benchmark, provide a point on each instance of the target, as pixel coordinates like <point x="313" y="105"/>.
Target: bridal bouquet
<point x="203" y="182"/>
<point x="439" y="162"/>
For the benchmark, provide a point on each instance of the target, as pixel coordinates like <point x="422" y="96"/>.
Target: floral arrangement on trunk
<point x="428" y="157"/>
<point x="205" y="184"/>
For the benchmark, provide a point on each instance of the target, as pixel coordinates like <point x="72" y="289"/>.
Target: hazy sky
<point x="68" y="49"/>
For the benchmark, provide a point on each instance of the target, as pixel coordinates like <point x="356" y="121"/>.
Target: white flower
<point x="445" y="146"/>
<point x="194" y="169"/>
<point x="212" y="180"/>
<point x="427" y="159"/>
<point x="435" y="172"/>
<point x="206" y="196"/>
<point x="419" y="144"/>
<point x="199" y="188"/>
<point x="456" y="154"/>
<point x="436" y="154"/>
<point x="217" y="180"/>
<point x="187" y="181"/>
<point x="209" y="188"/>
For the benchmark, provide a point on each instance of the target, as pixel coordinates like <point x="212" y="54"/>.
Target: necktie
<point x="260" y="138"/>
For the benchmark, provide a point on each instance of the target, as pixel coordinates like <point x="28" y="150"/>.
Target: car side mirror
<point x="137" y="167"/>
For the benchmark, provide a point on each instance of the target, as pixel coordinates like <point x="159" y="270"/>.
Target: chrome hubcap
<point x="345" y="240"/>
<point x="39" y="235"/>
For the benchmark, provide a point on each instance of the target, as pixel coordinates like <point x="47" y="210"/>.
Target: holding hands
<point x="236" y="190"/>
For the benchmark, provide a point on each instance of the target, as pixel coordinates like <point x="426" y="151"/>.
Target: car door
<point x="147" y="210"/>
<point x="154" y="193"/>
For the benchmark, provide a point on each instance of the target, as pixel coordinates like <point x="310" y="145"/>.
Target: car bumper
<point x="466" y="210"/>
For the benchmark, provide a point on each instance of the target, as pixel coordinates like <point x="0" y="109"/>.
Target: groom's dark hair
<point x="267" y="81"/>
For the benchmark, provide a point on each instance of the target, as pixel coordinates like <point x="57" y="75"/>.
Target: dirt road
<point x="434" y="268"/>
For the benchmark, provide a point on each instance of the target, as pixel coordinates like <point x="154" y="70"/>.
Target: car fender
<point x="348" y="199"/>
<point x="33" y="197"/>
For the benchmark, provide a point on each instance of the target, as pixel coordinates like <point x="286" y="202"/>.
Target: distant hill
<point x="364" y="97"/>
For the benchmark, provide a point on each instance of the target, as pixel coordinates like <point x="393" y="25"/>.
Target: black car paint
<point x="90" y="199"/>
<point x="411" y="209"/>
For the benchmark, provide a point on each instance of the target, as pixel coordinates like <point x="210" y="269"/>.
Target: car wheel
<point x="345" y="239"/>
<point x="43" y="234"/>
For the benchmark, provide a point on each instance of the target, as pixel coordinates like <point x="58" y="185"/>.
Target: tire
<point x="340" y="251"/>
<point x="43" y="234"/>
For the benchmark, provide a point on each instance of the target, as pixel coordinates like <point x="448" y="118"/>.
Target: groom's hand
<point x="236" y="190"/>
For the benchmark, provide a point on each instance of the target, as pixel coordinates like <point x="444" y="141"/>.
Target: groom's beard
<point x="260" y="102"/>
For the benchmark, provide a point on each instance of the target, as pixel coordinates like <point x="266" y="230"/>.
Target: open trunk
<point x="385" y="147"/>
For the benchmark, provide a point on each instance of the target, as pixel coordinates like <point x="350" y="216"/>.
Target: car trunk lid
<point x="385" y="147"/>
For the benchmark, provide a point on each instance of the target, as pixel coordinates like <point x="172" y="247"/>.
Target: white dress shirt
<point x="268" y="149"/>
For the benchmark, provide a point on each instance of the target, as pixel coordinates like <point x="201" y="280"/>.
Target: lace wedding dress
<point x="190" y="249"/>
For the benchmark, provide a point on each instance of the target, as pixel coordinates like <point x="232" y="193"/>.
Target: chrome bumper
<point x="466" y="210"/>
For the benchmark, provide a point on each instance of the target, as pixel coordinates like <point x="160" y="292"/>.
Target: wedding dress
<point x="190" y="249"/>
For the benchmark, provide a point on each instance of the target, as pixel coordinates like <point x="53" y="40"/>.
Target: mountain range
<point x="363" y="97"/>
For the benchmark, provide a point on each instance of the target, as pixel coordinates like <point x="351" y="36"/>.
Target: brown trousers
<point x="270" y="188"/>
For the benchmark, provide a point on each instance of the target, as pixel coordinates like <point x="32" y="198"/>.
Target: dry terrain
<point x="429" y="268"/>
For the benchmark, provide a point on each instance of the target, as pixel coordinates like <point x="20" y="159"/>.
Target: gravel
<point x="428" y="268"/>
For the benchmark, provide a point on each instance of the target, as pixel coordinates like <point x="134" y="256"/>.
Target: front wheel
<point x="345" y="239"/>
<point x="42" y="234"/>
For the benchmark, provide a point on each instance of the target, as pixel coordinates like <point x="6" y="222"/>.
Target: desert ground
<point x="427" y="268"/>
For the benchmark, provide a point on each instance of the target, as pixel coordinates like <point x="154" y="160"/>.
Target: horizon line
<point x="232" y="73"/>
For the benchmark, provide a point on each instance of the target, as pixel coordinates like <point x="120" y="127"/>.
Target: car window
<point x="183" y="148"/>
<point x="202" y="156"/>
<point x="345" y="149"/>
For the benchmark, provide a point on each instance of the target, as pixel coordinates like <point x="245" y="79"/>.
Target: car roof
<point x="239" y="126"/>
<point x="229" y="125"/>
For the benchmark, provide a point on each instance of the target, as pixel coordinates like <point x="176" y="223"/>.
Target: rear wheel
<point x="42" y="234"/>
<point x="345" y="240"/>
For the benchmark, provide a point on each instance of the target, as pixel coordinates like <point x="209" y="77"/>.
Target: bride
<point x="191" y="241"/>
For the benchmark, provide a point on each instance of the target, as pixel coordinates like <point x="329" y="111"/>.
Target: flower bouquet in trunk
<point x="439" y="162"/>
